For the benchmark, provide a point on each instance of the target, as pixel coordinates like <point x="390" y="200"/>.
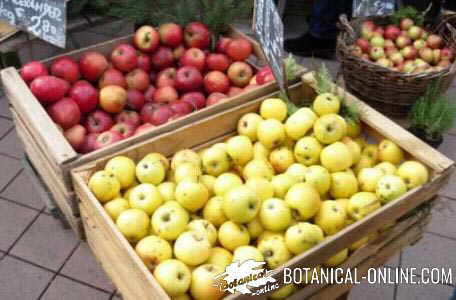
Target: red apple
<point x="437" y="54"/>
<point x="194" y="57"/>
<point x="403" y="41"/>
<point x="197" y="35"/>
<point x="144" y="128"/>
<point x="107" y="138"/>
<point x="129" y="117"/>
<point x="66" y="68"/>
<point x="162" y="58"/>
<point x="196" y="99"/>
<point x="113" y="98"/>
<point x="98" y="121"/>
<point x="161" y="115"/>
<point x="392" y="32"/>
<point x="240" y="73"/>
<point x="149" y="94"/>
<point x="222" y="43"/>
<point x="434" y="41"/>
<point x="144" y="62"/>
<point x="264" y="75"/>
<point x="85" y="95"/>
<point x="427" y="55"/>
<point x="406" y="23"/>
<point x="49" y="88"/>
<point x="92" y="65"/>
<point x="234" y="91"/>
<point x="188" y="79"/>
<point x="391" y="51"/>
<point x="379" y="32"/>
<point x="217" y="62"/>
<point x="447" y="54"/>
<point x="369" y="25"/>
<point x="124" y="58"/>
<point x="409" y="52"/>
<point x="146" y="39"/>
<point x="409" y="66"/>
<point x="165" y="94"/>
<point x="135" y="99"/>
<point x="239" y="49"/>
<point x="215" y="98"/>
<point x="390" y="44"/>
<point x="178" y="52"/>
<point x="397" y="58"/>
<point x="419" y="44"/>
<point x="216" y="81"/>
<point x="125" y="129"/>
<point x="363" y="44"/>
<point x="65" y="112"/>
<point x="414" y="32"/>
<point x="147" y="112"/>
<point x="112" y="77"/>
<point x="76" y="136"/>
<point x="181" y="107"/>
<point x="138" y="79"/>
<point x="32" y="70"/>
<point x="166" y="77"/>
<point x="171" y="34"/>
<point x="384" y="62"/>
<point x="88" y="144"/>
<point x="367" y="33"/>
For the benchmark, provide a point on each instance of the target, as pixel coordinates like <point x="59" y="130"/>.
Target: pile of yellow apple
<point x="274" y="191"/>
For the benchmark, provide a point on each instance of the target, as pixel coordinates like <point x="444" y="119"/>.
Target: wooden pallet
<point x="133" y="279"/>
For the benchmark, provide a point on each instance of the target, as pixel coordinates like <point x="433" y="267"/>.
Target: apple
<point x="135" y="99"/>
<point x="384" y="62"/>
<point x="107" y="138"/>
<point x="137" y="79"/>
<point x="171" y="34"/>
<point x="379" y="32"/>
<point x="188" y="79"/>
<point x="437" y="56"/>
<point x="194" y="57"/>
<point x="49" y="88"/>
<point x="216" y="81"/>
<point x="202" y="287"/>
<point x="275" y="214"/>
<point x="232" y="235"/>
<point x="32" y="70"/>
<point x="222" y="43"/>
<point x="421" y="64"/>
<point x="170" y="220"/>
<point x="173" y="276"/>
<point x="146" y="39"/>
<point x="213" y="211"/>
<point x="397" y="58"/>
<point x="362" y="204"/>
<point x="377" y="41"/>
<point x="330" y="128"/>
<point x="187" y="171"/>
<point x="192" y="248"/>
<point x="367" y="33"/>
<point x="124" y="58"/>
<point x="239" y="49"/>
<point x="104" y="185"/>
<point x="153" y="250"/>
<point x="89" y="143"/>
<point x="403" y="41"/>
<point x="336" y="157"/>
<point x="240" y="73"/>
<point x="434" y="41"/>
<point x="146" y="197"/>
<point x="92" y="65"/>
<point x="337" y="258"/>
<point x="151" y="172"/>
<point x="447" y="54"/>
<point x="304" y="201"/>
<point x="144" y="62"/>
<point x="181" y="107"/>
<point x="390" y="44"/>
<point x="427" y="55"/>
<point x="125" y="129"/>
<point x="196" y="99"/>
<point x="331" y="217"/>
<point x="409" y="52"/>
<point x="217" y="62"/>
<point x="409" y="66"/>
<point x="240" y="149"/>
<point x="128" y="117"/>
<point x="225" y="182"/>
<point x="413" y="173"/>
<point x="115" y="207"/>
<point x="303" y="236"/>
<point x="215" y="161"/>
<point x="147" y="112"/>
<point x="343" y="185"/>
<point x="165" y="94"/>
<point x="162" y="58"/>
<point x="307" y="150"/>
<point x="66" y="68"/>
<point x="76" y="136"/>
<point x="244" y="253"/>
<point x="113" y="98"/>
<point x="85" y="95"/>
<point x="133" y="224"/>
<point x="161" y="115"/>
<point x="390" y="187"/>
<point x="415" y="32"/>
<point x="406" y="23"/>
<point x="112" y="77"/>
<point x="65" y="112"/>
<point x="419" y="44"/>
<point x="275" y="252"/>
<point x="363" y="44"/>
<point x="326" y="103"/>
<point x="234" y="91"/>
<point x="215" y="98"/>
<point x="166" y="77"/>
<point x="368" y="24"/>
<point x="197" y="35"/>
<point x="281" y="184"/>
<point x="149" y="94"/>
<point x="392" y="32"/>
<point x="264" y="75"/>
<point x="167" y="189"/>
<point x="178" y="52"/>
<point x="98" y="121"/>
<point x="191" y="195"/>
<point x="376" y="53"/>
<point x="281" y="158"/>
<point x="368" y="178"/>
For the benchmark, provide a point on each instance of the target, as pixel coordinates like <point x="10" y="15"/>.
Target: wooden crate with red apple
<point x="80" y="106"/>
<point x="398" y="222"/>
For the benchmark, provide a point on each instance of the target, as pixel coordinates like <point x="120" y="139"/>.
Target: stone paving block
<point x="443" y="218"/>
<point x="63" y="288"/>
<point x="10" y="168"/>
<point x="449" y="190"/>
<point x="20" y="280"/>
<point x="13" y="221"/>
<point x="423" y="291"/>
<point x="5" y="126"/>
<point x="376" y="291"/>
<point x="448" y="146"/>
<point x="11" y="145"/>
<point x="4" y="109"/>
<point x="46" y="243"/>
<point x="22" y="190"/>
<point x="84" y="267"/>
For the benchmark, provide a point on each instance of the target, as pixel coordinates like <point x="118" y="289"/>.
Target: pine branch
<point x="291" y="67"/>
<point x="323" y="80"/>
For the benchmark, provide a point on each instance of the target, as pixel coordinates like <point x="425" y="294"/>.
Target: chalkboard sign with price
<point x="268" y="28"/>
<point x="45" y="19"/>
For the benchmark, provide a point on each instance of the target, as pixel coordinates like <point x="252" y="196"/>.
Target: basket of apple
<point x="389" y="61"/>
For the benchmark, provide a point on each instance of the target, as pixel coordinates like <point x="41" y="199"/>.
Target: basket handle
<point x="345" y="25"/>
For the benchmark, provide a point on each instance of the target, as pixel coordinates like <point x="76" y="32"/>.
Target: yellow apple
<point x="255" y="228"/>
<point x="166" y="190"/>
<point x="192" y="248"/>
<point x="248" y="124"/>
<point x="368" y="178"/>
<point x="191" y="195"/>
<point x="205" y="227"/>
<point x="371" y="150"/>
<point x="146" y="197"/>
<point x="226" y="182"/>
<point x="300" y="122"/>
<point x="155" y="156"/>
<point x="413" y="173"/>
<point x="283" y="292"/>
<point x="182" y="297"/>
<point x="289" y="142"/>
<point x="261" y="186"/>
<point x="173" y="276"/>
<point x="330" y="128"/>
<point x="240" y="149"/>
<point x="319" y="178"/>
<point x="150" y="171"/>
<point x="354" y="148"/>
<point x="343" y="185"/>
<point x="266" y="235"/>
<point x="298" y="171"/>
<point x="275" y="214"/>
<point x="213" y="211"/>
<point x="244" y="253"/>
<point x="359" y="243"/>
<point x="124" y="169"/>
<point x="362" y="204"/>
<point x="274" y="108"/>
<point x="187" y="171"/>
<point x="260" y="151"/>
<point x="361" y="142"/>
<point x="307" y="151"/>
<point x="186" y="155"/>
<point x="390" y="152"/>
<point x="337" y="258"/>
<point x="390" y="187"/>
<point x="326" y="103"/>
<point x="304" y="201"/>
<point x="220" y="256"/>
<point x="202" y="286"/>
<point x="275" y="252"/>
<point x="353" y="129"/>
<point x="331" y="217"/>
<point x="153" y="250"/>
<point x="258" y="168"/>
<point x="303" y="236"/>
<point x="127" y="193"/>
<point x="104" y="185"/>
<point x="232" y="235"/>
<point x="281" y="158"/>
<point x="271" y="133"/>
<point x="216" y="161"/>
<point x="387" y="168"/>
<point x="115" y="207"/>
<point x="223" y="146"/>
<point x="241" y="204"/>
<point x="208" y="181"/>
<point x="336" y="157"/>
<point x="281" y="184"/>
<point x="170" y="220"/>
<point x="364" y="162"/>
<point x="133" y="223"/>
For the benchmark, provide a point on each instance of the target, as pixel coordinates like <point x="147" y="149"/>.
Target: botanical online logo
<point x="249" y="278"/>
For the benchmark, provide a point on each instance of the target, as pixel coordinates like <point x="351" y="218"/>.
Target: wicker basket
<point x="389" y="91"/>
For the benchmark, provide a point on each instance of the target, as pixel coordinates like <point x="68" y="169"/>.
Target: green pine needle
<point x="350" y="112"/>
<point x="324" y="81"/>
<point x="291" y="67"/>
<point x="408" y="12"/>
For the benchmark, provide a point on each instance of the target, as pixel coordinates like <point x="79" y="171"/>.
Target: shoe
<point x="308" y="45"/>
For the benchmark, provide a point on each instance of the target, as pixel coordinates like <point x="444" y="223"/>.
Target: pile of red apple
<point x="163" y="75"/>
<point x="405" y="48"/>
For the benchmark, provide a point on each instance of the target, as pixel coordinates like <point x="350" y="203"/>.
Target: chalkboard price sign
<point x="268" y="28"/>
<point x="45" y="19"/>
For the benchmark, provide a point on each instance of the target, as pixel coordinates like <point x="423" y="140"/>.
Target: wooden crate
<point x="133" y="279"/>
<point x="54" y="157"/>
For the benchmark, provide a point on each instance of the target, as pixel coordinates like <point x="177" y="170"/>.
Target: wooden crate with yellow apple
<point x="250" y="183"/>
